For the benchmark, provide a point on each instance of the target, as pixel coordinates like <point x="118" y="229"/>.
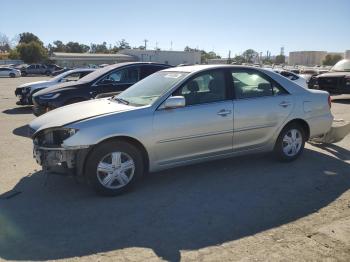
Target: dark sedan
<point x="103" y="82"/>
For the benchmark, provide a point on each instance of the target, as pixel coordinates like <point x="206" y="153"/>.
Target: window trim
<point x="227" y="92"/>
<point x="261" y="74"/>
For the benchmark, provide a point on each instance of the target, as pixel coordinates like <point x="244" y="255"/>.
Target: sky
<point x="213" y="25"/>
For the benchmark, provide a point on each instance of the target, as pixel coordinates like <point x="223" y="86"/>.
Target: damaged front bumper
<point x="60" y="160"/>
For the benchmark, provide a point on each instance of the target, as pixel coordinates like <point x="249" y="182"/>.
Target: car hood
<point x="76" y="112"/>
<point x="33" y="83"/>
<point x="58" y="87"/>
<point x="334" y="74"/>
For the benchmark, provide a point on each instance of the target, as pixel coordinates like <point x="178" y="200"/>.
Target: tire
<point x="47" y="73"/>
<point x="24" y="73"/>
<point x="103" y="174"/>
<point x="290" y="143"/>
<point x="12" y="75"/>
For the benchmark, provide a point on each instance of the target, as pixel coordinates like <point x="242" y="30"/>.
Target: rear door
<point x="261" y="106"/>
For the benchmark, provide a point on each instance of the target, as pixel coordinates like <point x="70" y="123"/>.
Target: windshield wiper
<point x="121" y="100"/>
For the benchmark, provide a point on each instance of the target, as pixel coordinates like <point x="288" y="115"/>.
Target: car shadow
<point x="185" y="208"/>
<point x="21" y="131"/>
<point x="19" y="110"/>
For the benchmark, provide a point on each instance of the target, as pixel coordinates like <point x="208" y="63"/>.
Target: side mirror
<point x="174" y="102"/>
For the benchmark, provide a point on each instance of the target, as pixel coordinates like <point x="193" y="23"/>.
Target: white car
<point x="25" y="92"/>
<point x="9" y="72"/>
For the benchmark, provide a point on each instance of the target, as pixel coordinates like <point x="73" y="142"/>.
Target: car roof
<point x="82" y="70"/>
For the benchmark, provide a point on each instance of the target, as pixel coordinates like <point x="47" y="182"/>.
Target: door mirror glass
<point x="174" y="102"/>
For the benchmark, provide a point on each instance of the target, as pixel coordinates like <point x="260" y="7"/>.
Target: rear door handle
<point x="285" y="104"/>
<point x="224" y="112"/>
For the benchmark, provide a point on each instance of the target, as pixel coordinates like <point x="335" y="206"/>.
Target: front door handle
<point x="284" y="104"/>
<point x="224" y="112"/>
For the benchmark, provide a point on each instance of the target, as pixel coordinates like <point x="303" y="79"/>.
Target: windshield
<point x="342" y="66"/>
<point x="96" y="74"/>
<point x="148" y="90"/>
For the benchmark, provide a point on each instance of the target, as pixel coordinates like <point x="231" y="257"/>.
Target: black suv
<point x="337" y="80"/>
<point x="104" y="82"/>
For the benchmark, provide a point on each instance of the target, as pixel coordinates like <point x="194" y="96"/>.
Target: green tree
<point x="14" y="54"/>
<point x="238" y="59"/>
<point x="26" y="38"/>
<point x="280" y="59"/>
<point x="32" y="52"/>
<point x="122" y="44"/>
<point x="249" y="55"/>
<point x="99" y="48"/>
<point x="75" y="47"/>
<point x="331" y="60"/>
<point x="4" y="43"/>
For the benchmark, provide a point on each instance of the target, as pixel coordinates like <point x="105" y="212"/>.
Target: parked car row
<point x="161" y="117"/>
<point x="25" y="92"/>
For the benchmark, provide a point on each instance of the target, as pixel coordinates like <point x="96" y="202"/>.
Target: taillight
<point x="329" y="101"/>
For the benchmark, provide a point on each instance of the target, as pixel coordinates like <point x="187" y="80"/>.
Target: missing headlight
<point x="53" y="138"/>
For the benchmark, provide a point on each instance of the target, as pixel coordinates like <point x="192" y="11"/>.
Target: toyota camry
<point x="176" y="117"/>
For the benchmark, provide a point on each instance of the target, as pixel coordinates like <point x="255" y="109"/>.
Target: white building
<point x="85" y="59"/>
<point x="306" y="58"/>
<point x="164" y="57"/>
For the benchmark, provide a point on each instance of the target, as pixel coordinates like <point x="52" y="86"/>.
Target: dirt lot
<point x="247" y="208"/>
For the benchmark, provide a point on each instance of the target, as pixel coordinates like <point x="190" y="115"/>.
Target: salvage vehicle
<point x="176" y="117"/>
<point x="9" y="72"/>
<point x="25" y="92"/>
<point x="337" y="80"/>
<point x="106" y="81"/>
<point x="36" y="69"/>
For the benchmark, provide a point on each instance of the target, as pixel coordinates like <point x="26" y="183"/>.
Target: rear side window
<point x="251" y="84"/>
<point x="147" y="70"/>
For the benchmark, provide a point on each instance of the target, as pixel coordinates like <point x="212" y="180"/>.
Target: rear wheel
<point x="290" y="143"/>
<point x="114" y="167"/>
<point x="12" y="75"/>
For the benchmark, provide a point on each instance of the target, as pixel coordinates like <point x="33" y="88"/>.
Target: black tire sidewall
<point x="101" y="151"/>
<point x="279" y="143"/>
<point x="12" y="75"/>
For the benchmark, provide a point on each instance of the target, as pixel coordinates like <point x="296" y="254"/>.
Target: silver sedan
<point x="177" y="117"/>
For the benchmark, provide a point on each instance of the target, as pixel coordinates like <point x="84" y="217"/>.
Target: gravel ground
<point x="246" y="208"/>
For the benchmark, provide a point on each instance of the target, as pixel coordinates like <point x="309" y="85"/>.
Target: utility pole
<point x="171" y="45"/>
<point x="145" y="43"/>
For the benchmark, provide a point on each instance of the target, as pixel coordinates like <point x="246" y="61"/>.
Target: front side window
<point x="206" y="88"/>
<point x="250" y="84"/>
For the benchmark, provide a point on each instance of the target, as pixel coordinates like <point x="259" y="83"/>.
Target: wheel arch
<point x="131" y="140"/>
<point x="303" y="124"/>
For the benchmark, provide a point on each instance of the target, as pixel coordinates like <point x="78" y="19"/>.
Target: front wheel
<point x="12" y="75"/>
<point x="290" y="143"/>
<point x="114" y="167"/>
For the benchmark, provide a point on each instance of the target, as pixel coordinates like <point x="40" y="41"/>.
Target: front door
<point x="261" y="107"/>
<point x="202" y="128"/>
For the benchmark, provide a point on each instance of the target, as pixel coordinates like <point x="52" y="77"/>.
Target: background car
<point x="176" y="117"/>
<point x="60" y="71"/>
<point x="337" y="80"/>
<point x="36" y="69"/>
<point x="106" y="81"/>
<point x="25" y="92"/>
<point x="9" y="72"/>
